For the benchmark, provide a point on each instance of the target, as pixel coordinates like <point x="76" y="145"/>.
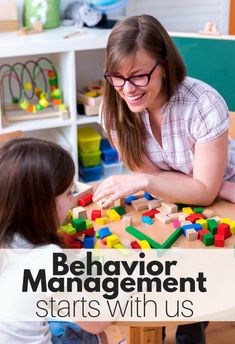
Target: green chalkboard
<point x="211" y="60"/>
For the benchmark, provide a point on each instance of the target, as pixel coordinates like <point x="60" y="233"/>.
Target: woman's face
<point x="145" y="97"/>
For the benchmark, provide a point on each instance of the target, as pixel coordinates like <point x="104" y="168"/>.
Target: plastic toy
<point x="78" y="13"/>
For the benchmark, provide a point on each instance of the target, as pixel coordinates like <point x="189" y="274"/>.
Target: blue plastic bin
<point x="109" y="154"/>
<point x="90" y="174"/>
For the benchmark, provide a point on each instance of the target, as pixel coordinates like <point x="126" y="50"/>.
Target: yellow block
<point x="188" y="210"/>
<point x="225" y="220"/>
<point x="112" y="240"/>
<point x="113" y="215"/>
<point x="101" y="220"/>
<point x="203" y="223"/>
<point x="232" y="227"/>
<point x="144" y="244"/>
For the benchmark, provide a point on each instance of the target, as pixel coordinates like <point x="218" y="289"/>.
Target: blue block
<point x="89" y="242"/>
<point x="129" y="199"/>
<point x="147" y="219"/>
<point x="148" y="196"/>
<point x="104" y="232"/>
<point x="195" y="226"/>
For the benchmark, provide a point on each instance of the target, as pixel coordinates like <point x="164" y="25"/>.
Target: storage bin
<point x="88" y="140"/>
<point x="90" y="174"/>
<point x="109" y="154"/>
<point x="89" y="159"/>
<point x="111" y="169"/>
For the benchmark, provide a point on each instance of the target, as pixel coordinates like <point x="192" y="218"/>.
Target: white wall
<point x="176" y="15"/>
<point x="184" y="15"/>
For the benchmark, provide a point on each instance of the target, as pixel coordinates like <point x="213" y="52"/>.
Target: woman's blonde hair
<point x="128" y="36"/>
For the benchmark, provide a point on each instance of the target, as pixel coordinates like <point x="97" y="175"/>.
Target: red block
<point x="218" y="240"/>
<point x="89" y="232"/>
<point x="202" y="232"/>
<point x="194" y="217"/>
<point x="151" y="213"/>
<point x="134" y="244"/>
<point x="76" y="244"/>
<point x="104" y="241"/>
<point x="95" y="214"/>
<point x="85" y="200"/>
<point x="224" y="229"/>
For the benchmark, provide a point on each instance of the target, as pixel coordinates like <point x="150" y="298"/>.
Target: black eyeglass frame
<point x="148" y="75"/>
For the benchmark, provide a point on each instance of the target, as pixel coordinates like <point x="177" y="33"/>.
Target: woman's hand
<point x="119" y="186"/>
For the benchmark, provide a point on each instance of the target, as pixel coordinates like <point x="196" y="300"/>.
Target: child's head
<point x="35" y="181"/>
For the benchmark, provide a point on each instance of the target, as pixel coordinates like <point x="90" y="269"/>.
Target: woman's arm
<point x="202" y="188"/>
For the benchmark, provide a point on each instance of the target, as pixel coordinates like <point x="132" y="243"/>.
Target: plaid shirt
<point x="195" y="113"/>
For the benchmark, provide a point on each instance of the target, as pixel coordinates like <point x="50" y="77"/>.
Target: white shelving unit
<point x="80" y="61"/>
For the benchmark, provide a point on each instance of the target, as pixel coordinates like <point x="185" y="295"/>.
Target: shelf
<point x="37" y="124"/>
<point x="83" y="119"/>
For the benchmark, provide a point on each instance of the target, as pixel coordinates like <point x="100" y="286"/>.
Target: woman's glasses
<point x="140" y="80"/>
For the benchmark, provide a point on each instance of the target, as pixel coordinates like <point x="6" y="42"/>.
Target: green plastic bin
<point x="90" y="159"/>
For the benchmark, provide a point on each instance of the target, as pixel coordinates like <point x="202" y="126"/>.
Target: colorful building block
<point x="104" y="232"/>
<point x="112" y="240"/>
<point x="140" y="204"/>
<point x="191" y="235"/>
<point x="79" y="212"/>
<point x="202" y="232"/>
<point x="102" y="221"/>
<point x="208" y="239"/>
<point x="144" y="244"/>
<point x="68" y="228"/>
<point x="141" y="236"/>
<point x="198" y="210"/>
<point x="172" y="238"/>
<point x="129" y="199"/>
<point x="148" y="196"/>
<point x="187" y="210"/>
<point x="207" y="213"/>
<point x="89" y="242"/>
<point x="218" y="240"/>
<point x="146" y="219"/>
<point x="193" y="217"/>
<point x="85" y="200"/>
<point x="196" y="226"/>
<point x="89" y="224"/>
<point x="176" y="223"/>
<point x="232" y="227"/>
<point x="170" y="207"/>
<point x="120" y="210"/>
<point x="155" y="203"/>
<point x="95" y="214"/>
<point x="126" y="221"/>
<point x="163" y="218"/>
<point x="224" y="229"/>
<point x="135" y="245"/>
<point x="203" y="223"/>
<point x="79" y="224"/>
<point x="212" y="226"/>
<point x="113" y="215"/>
<point x="151" y="213"/>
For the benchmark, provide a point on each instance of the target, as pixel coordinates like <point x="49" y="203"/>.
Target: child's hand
<point x="119" y="186"/>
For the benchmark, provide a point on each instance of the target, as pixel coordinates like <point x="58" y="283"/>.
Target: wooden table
<point x="146" y="332"/>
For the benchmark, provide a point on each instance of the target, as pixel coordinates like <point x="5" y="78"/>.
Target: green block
<point x="181" y="206"/>
<point x="208" y="239"/>
<point x="120" y="210"/>
<point x="97" y="235"/>
<point x="141" y="236"/>
<point x="88" y="224"/>
<point x="172" y="238"/>
<point x="79" y="224"/>
<point x="212" y="226"/>
<point x="69" y="229"/>
<point x="198" y="210"/>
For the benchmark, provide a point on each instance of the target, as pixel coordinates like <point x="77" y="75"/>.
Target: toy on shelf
<point x="29" y="91"/>
<point x="90" y="98"/>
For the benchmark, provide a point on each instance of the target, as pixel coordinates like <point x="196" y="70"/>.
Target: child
<point x="36" y="178"/>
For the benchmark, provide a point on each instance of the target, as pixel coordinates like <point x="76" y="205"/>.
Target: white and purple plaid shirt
<point x="195" y="113"/>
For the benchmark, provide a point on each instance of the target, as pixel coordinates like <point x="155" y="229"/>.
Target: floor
<point x="216" y="333"/>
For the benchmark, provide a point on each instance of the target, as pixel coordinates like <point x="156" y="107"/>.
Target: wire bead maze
<point x="32" y="86"/>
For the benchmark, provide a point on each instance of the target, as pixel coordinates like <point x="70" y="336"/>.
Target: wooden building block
<point x="170" y="207"/>
<point x="191" y="235"/>
<point x="173" y="216"/>
<point x="112" y="240"/>
<point x="208" y="213"/>
<point x="113" y="215"/>
<point x="182" y="216"/>
<point x="187" y="210"/>
<point x="79" y="212"/>
<point x="155" y="203"/>
<point x="102" y="221"/>
<point x="203" y="222"/>
<point x="163" y="218"/>
<point x="126" y="220"/>
<point x="119" y="202"/>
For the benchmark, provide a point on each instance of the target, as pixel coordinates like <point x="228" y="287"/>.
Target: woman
<point x="170" y="130"/>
